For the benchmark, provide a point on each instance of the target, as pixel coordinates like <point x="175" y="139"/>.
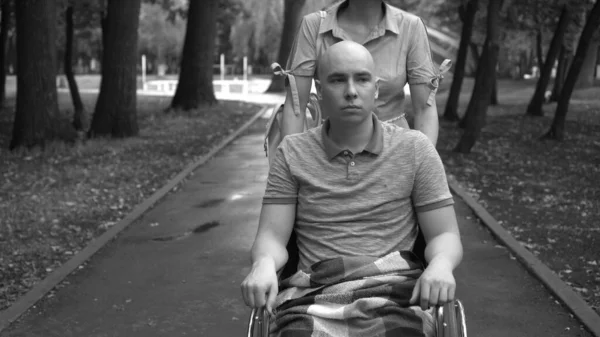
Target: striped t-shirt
<point x="357" y="204"/>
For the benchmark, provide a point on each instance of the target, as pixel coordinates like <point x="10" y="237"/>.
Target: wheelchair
<point x="449" y="319"/>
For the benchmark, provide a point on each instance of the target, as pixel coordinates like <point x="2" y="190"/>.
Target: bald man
<point x="354" y="187"/>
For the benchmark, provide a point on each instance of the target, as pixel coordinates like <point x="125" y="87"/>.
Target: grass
<point x="545" y="193"/>
<point x="53" y="203"/>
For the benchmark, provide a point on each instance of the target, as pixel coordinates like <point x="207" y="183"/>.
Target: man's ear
<point x="318" y="87"/>
<point x="376" y="88"/>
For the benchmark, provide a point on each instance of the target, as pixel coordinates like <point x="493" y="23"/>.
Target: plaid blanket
<point x="352" y="296"/>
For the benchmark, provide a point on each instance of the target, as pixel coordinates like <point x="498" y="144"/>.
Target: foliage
<point x="176" y="9"/>
<point x="520" y="22"/>
<point x="161" y="30"/>
<point x="228" y="12"/>
<point x="160" y="38"/>
<point x="257" y="31"/>
<point x="87" y="39"/>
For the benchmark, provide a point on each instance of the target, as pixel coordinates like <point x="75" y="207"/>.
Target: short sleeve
<point x="282" y="188"/>
<point x="430" y="189"/>
<point x="303" y="56"/>
<point x="419" y="65"/>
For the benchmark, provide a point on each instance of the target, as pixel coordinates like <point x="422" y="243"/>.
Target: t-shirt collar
<point x="330" y="22"/>
<point x="375" y="145"/>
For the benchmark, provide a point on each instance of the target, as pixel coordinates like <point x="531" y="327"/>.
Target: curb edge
<point x="569" y="298"/>
<point x="25" y="302"/>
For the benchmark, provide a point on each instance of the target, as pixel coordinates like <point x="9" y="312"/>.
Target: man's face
<point x="347" y="85"/>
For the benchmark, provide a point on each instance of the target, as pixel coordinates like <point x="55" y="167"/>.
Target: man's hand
<point x="260" y="287"/>
<point x="436" y="286"/>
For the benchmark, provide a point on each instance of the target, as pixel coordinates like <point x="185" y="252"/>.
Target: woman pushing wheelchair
<point x="398" y="43"/>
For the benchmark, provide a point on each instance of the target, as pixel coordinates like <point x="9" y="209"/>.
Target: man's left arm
<point x="437" y="220"/>
<point x="426" y="115"/>
<point x="443" y="253"/>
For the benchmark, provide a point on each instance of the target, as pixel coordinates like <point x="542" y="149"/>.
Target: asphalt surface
<point x="176" y="271"/>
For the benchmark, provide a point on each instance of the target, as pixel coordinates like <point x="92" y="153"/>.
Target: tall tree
<point x="556" y="131"/>
<point x="292" y="16"/>
<point x="578" y="13"/>
<point x="467" y="14"/>
<point x="586" y="76"/>
<point x="538" y="13"/>
<point x="68" y="69"/>
<point x="494" y="93"/>
<point x="480" y="99"/>
<point x="535" y="105"/>
<point x="564" y="61"/>
<point x="195" y="86"/>
<point x="116" y="113"/>
<point x="538" y="48"/>
<point x="6" y="9"/>
<point x="36" y="117"/>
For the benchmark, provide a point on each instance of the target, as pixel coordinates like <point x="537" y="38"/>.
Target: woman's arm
<point x="426" y="116"/>
<point x="291" y="123"/>
<point x="422" y="76"/>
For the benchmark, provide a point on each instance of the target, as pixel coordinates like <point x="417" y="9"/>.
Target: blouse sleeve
<point x="419" y="65"/>
<point x="303" y="56"/>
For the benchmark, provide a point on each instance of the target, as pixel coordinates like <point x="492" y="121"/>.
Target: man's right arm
<point x="275" y="225"/>
<point x="292" y="123"/>
<point x="274" y="230"/>
<point x="269" y="254"/>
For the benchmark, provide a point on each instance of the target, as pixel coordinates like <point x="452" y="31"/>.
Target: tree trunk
<point x="68" y="68"/>
<point x="467" y="15"/>
<point x="475" y="56"/>
<point x="481" y="64"/>
<point x="494" y="94"/>
<point x="558" y="123"/>
<point x="586" y="76"/>
<point x="36" y="117"/>
<point x="4" y="27"/>
<point x="480" y="99"/>
<point x="479" y="79"/>
<point x="195" y="86"/>
<point x="539" y="50"/>
<point x="116" y="113"/>
<point x="535" y="105"/>
<point x="291" y="21"/>
<point x="561" y="72"/>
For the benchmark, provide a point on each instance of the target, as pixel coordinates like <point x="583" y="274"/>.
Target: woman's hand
<point x="260" y="287"/>
<point x="436" y="286"/>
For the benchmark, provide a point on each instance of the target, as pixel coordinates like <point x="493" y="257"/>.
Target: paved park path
<point x="176" y="271"/>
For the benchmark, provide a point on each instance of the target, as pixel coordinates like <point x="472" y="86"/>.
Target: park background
<point x="84" y="138"/>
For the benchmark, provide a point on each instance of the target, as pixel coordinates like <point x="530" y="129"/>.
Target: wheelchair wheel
<point x="450" y="320"/>
<point x="258" y="326"/>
